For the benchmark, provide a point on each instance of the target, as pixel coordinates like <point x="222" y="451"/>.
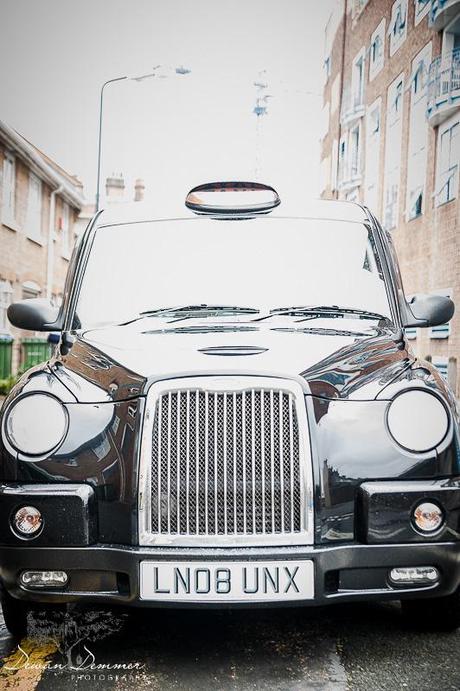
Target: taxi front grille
<point x="226" y="463"/>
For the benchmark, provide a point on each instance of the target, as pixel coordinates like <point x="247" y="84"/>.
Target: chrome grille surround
<point x="213" y="446"/>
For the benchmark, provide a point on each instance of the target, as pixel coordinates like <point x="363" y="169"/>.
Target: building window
<point x="334" y="163"/>
<point x="421" y="10"/>
<point x="357" y="80"/>
<point x="30" y="290"/>
<point x="34" y="209"/>
<point x="398" y="25"/>
<point x="355" y="150"/>
<point x="377" y="50"/>
<point x="391" y="206"/>
<point x="441" y="364"/>
<point x="396" y="103"/>
<point x="411" y="332"/>
<point x="8" y="189"/>
<point x="418" y="135"/>
<point x="6" y="298"/>
<point x="65" y="229"/>
<point x="443" y="330"/>
<point x="372" y="164"/>
<point x="393" y="153"/>
<point x="342" y="160"/>
<point x="448" y="160"/>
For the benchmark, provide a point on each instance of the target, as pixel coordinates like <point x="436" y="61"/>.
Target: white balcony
<point x="353" y="107"/>
<point x="442" y="12"/>
<point x="443" y="87"/>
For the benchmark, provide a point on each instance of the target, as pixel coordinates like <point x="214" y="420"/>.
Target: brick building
<point x="392" y="141"/>
<point x="39" y="206"/>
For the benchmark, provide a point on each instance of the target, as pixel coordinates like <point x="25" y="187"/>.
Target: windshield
<point x="260" y="263"/>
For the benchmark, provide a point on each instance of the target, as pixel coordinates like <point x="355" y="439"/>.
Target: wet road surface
<point x="362" y="647"/>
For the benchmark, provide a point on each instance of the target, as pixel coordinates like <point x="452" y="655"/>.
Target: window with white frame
<point x="397" y="29"/>
<point x="448" y="158"/>
<point x="334" y="164"/>
<point x="34" y="209"/>
<point x="357" y="79"/>
<point x="411" y="333"/>
<point x="393" y="152"/>
<point x="30" y="289"/>
<point x="355" y="151"/>
<point x="372" y="164"/>
<point x="8" y="189"/>
<point x="418" y="135"/>
<point x="6" y="298"/>
<point x="421" y="10"/>
<point x="342" y="168"/>
<point x="443" y="330"/>
<point x="377" y="50"/>
<point x="65" y="230"/>
<point x="442" y="365"/>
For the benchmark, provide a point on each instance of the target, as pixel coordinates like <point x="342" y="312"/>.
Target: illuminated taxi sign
<point x="232" y="197"/>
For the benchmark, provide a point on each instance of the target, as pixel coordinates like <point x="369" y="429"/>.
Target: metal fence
<point x="444" y="78"/>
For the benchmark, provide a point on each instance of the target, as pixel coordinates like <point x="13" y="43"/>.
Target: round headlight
<point x="27" y="521"/>
<point x="428" y="517"/>
<point x="417" y="420"/>
<point x="36" y="424"/>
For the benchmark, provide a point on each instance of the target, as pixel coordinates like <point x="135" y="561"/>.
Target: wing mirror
<point x="429" y="310"/>
<point x="35" y="314"/>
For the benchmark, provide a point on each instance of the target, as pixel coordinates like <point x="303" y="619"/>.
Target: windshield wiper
<point x="312" y="312"/>
<point x="188" y="311"/>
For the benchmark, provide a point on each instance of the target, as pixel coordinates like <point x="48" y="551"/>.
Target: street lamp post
<point x="99" y="146"/>
<point x="178" y="70"/>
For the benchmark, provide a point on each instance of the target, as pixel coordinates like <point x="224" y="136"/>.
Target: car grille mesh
<point x="226" y="463"/>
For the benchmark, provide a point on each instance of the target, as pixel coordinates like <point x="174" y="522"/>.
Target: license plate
<point x="228" y="581"/>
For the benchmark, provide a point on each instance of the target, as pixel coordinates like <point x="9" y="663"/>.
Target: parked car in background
<point x="232" y="417"/>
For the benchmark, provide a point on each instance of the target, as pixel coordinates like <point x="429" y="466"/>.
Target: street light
<point x="181" y="70"/>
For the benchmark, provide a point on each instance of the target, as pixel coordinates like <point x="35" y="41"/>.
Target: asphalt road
<point x="362" y="647"/>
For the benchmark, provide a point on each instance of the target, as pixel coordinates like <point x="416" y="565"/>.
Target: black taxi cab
<point x="232" y="417"/>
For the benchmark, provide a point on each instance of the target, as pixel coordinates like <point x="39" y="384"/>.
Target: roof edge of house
<point x="71" y="193"/>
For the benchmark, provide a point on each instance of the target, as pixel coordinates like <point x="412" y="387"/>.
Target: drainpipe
<point x="50" y="259"/>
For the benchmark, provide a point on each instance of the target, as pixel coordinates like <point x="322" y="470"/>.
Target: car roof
<point x="137" y="212"/>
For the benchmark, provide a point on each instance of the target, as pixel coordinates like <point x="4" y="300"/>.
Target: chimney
<point x="139" y="189"/>
<point x="115" y="188"/>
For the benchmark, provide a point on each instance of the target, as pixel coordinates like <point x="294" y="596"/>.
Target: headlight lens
<point x="36" y="424"/>
<point x="417" y="420"/>
<point x="27" y="521"/>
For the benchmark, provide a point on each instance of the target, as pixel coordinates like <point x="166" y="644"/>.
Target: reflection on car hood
<point x="118" y="362"/>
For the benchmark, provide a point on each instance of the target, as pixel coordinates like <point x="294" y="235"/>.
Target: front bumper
<point x="110" y="574"/>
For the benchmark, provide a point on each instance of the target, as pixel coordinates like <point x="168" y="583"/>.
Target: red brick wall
<point x="428" y="246"/>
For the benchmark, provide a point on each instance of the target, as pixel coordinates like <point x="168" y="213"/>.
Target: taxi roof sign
<point x="232" y="197"/>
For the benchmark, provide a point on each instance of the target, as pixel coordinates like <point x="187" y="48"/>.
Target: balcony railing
<point x="442" y="12"/>
<point x="443" y="86"/>
<point x="352" y="106"/>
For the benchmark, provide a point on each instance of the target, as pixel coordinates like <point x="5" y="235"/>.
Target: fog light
<point x="27" y="521"/>
<point x="44" y="579"/>
<point x="428" y="517"/>
<point x="414" y="574"/>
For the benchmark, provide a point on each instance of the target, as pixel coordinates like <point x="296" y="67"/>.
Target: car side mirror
<point x="35" y="314"/>
<point x="429" y="310"/>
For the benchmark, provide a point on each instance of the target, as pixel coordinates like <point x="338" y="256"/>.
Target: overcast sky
<point x="178" y="131"/>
